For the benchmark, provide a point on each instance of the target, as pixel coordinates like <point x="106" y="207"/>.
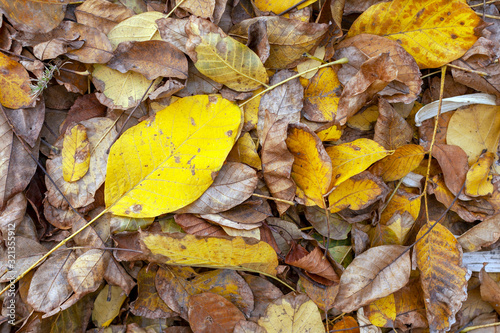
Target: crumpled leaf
<point x="314" y="263"/>
<point x="294" y="312"/>
<point x="351" y="158"/>
<point x="481" y="235"/>
<point x="215" y="252"/>
<point x="391" y="130"/>
<point x="234" y="184"/>
<point x="443" y="278"/>
<point x="312" y="167"/>
<point x="199" y="132"/>
<point x="76" y="153"/>
<point x="288" y="38"/>
<point x="408" y="71"/>
<point x="373" y="76"/>
<point x="222" y="58"/>
<point x="424" y="29"/>
<point x="201" y="8"/>
<point x="490" y="291"/>
<point x="375" y="273"/>
<point x="15" y="81"/>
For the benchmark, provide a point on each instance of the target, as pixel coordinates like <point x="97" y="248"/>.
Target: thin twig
<point x="484" y="3"/>
<point x="275" y="199"/>
<point x="469" y="70"/>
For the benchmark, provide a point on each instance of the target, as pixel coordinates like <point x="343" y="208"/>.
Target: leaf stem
<point x="275" y="199"/>
<point x="469" y="70"/>
<point x="336" y="62"/>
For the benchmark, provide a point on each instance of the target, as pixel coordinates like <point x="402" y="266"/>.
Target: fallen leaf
<point x="408" y="71"/>
<point x="391" y="130"/>
<point x="288" y="38"/>
<point x="234" y="183"/>
<point x="382" y="312"/>
<point x="137" y="28"/>
<point x="347" y="324"/>
<point x="278" y="7"/>
<point x="478" y="180"/>
<point x="373" y="76"/>
<point x="434" y="33"/>
<point x="264" y="293"/>
<point x="28" y="251"/>
<point x="107" y="305"/>
<point x="410" y="307"/>
<point x="375" y="273"/>
<point x="292" y="313"/>
<point x="404" y="160"/>
<point x="354" y="157"/>
<point x="321" y="96"/>
<point x="173" y="31"/>
<point x="331" y="133"/>
<point x="248" y="151"/>
<point x="15" y="81"/>
<point x="443" y="278"/>
<point x="34" y="16"/>
<point x="475" y="128"/>
<point x="481" y="235"/>
<point x="151" y="58"/>
<point x="322" y="296"/>
<point x="401" y="202"/>
<point x="210" y="312"/>
<point x="392" y="232"/>
<point x="220" y="57"/>
<point x="313" y="262"/>
<point x="312" y="167"/>
<point x="334" y="226"/>
<point x="215" y="252"/>
<point x="76" y="153"/>
<point x="453" y="162"/>
<point x="87" y="272"/>
<point x="190" y="152"/>
<point x="101" y="14"/>
<point x="195" y="226"/>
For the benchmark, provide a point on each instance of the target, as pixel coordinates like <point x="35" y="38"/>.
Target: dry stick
<point x="484" y="3"/>
<point x="275" y="199"/>
<point x="471" y="328"/>
<point x="468" y="70"/>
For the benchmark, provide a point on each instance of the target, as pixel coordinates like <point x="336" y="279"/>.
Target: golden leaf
<point x="312" y="167"/>
<point x="280" y="6"/>
<point x="248" y="151"/>
<point x="443" y="278"/>
<point x="332" y="133"/>
<point x="321" y="96"/>
<point x="215" y="252"/>
<point x="401" y="202"/>
<point x="434" y="32"/>
<point x="75" y="153"/>
<point x="404" y="160"/>
<point x="354" y="157"/>
<point x="176" y="156"/>
<point x="478" y="181"/>
<point x="15" y="83"/>
<point x="107" y="308"/>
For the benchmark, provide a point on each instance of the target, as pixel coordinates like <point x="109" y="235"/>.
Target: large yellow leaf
<point x="215" y="252"/>
<point x="139" y="28"/>
<point x="75" y="153"/>
<point x="312" y="167"/>
<point x="168" y="161"/>
<point x="351" y="158"/>
<point x="443" y="278"/>
<point x="222" y="58"/>
<point x="15" y="83"/>
<point x="474" y="128"/>
<point x="119" y="90"/>
<point x="434" y="32"/>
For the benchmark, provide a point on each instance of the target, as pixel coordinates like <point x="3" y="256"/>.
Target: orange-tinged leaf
<point x="177" y="154"/>
<point x="434" y="32"/>
<point x="373" y="274"/>
<point x="401" y="202"/>
<point x="15" y="83"/>
<point x="321" y="96"/>
<point x="215" y="252"/>
<point x="312" y="167"/>
<point x="443" y="278"/>
<point x="356" y="193"/>
<point x="347" y="325"/>
<point x="351" y="158"/>
<point x="382" y="312"/>
<point x="292" y="313"/>
<point x="76" y="153"/>
<point x="478" y="181"/>
<point x="404" y="160"/>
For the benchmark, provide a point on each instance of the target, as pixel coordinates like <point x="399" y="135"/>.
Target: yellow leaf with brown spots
<point x="75" y="153"/>
<point x="15" y="83"/>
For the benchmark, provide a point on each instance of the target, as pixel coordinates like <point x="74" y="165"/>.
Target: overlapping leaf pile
<point x="235" y="181"/>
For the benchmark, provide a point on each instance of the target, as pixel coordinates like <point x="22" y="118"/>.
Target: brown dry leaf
<point x="248" y="327"/>
<point x="203" y="8"/>
<point x="391" y="130"/>
<point x="288" y="38"/>
<point x="338" y="229"/>
<point x="152" y="58"/>
<point x="12" y="215"/>
<point x="292" y="313"/>
<point x="28" y="122"/>
<point x="49" y="287"/>
<point x="15" y="81"/>
<point x="27" y="250"/>
<point x="478" y="182"/>
<point x="480" y="57"/>
<point x="234" y="184"/>
<point x="490" y="291"/>
<point x="322" y="296"/>
<point x="404" y="160"/>
<point x="357" y="192"/>
<point x="210" y="312"/>
<point x="195" y="226"/>
<point x="373" y="76"/>
<point x="283" y="102"/>
<point x="87" y="271"/>
<point x="313" y="262"/>
<point x="408" y="71"/>
<point x="34" y="16"/>
<point x="85" y="107"/>
<point x="474" y="306"/>
<point x="453" y="162"/>
<point x="443" y="278"/>
<point x="410" y="307"/>
<point x="481" y="235"/>
<point x="253" y="210"/>
<point x="264" y="293"/>
<point x="70" y="80"/>
<point x="177" y="284"/>
<point x="375" y="273"/>
<point x="312" y="167"/>
<point x="102" y="14"/>
<point x="148" y="303"/>
<point x="173" y="31"/>
<point x="277" y="162"/>
<point x="55" y="47"/>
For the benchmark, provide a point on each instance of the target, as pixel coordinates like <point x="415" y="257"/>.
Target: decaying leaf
<point x="161" y="180"/>
<point x="76" y="153"/>
<point x="15" y="83"/>
<point x="34" y="16"/>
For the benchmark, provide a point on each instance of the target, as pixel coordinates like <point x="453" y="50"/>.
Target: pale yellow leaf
<point x="140" y="27"/>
